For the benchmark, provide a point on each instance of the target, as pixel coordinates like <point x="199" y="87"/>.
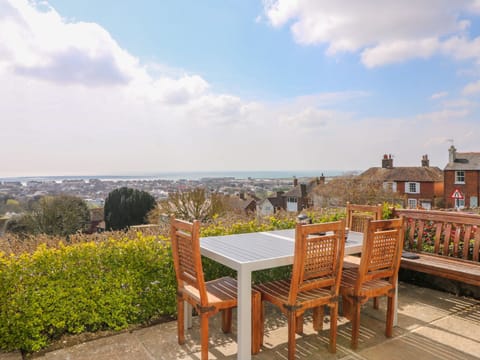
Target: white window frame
<point x="459" y="174"/>
<point x="427" y="205"/>
<point x="412" y="203"/>
<point x="390" y="186"/>
<point x="408" y="186"/>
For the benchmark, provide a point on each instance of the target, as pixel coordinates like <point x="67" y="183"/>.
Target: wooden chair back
<point x="382" y="250"/>
<point x="357" y="215"/>
<point x="186" y="256"/>
<point x="318" y="258"/>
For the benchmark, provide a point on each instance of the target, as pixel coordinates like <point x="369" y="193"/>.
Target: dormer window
<point x="459" y="177"/>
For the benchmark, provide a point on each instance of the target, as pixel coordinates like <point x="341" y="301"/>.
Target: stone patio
<point x="431" y="325"/>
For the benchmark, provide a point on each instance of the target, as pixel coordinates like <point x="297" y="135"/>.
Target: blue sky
<point x="110" y="87"/>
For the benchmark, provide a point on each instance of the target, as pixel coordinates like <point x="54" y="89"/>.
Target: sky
<point x="115" y="87"/>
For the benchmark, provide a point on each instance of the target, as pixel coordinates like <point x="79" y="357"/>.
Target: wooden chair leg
<point x="180" y="321"/>
<point x="346" y="308"/>
<point x="292" y="319"/>
<point x="333" y="328"/>
<point x="299" y="325"/>
<point x="204" y="336"/>
<point x="318" y="314"/>
<point x="375" y="303"/>
<point x="390" y="315"/>
<point x="355" y="324"/>
<point x="227" y="320"/>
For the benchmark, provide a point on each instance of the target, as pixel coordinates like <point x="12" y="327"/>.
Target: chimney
<point x="387" y="161"/>
<point x="425" y="161"/>
<point x="452" y="154"/>
<point x="280" y="194"/>
<point x="321" y="180"/>
<point x="295" y="181"/>
<point x="242" y="195"/>
<point x="303" y="188"/>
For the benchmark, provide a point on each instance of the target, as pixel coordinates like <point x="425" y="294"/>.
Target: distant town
<point x="94" y="191"/>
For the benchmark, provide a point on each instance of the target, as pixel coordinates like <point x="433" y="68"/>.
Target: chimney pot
<point x="425" y="161"/>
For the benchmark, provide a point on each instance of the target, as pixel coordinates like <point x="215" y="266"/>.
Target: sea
<point x="280" y="174"/>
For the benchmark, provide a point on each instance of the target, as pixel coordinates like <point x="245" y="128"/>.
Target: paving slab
<point x="15" y="355"/>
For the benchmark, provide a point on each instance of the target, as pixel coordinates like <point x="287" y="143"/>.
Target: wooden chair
<point x="207" y="298"/>
<point x="315" y="280"/>
<point x="357" y="215"/>
<point x="377" y="274"/>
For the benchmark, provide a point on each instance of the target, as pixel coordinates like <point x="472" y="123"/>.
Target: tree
<point x="193" y="204"/>
<point x="54" y="215"/>
<point x="356" y="190"/>
<point x="125" y="207"/>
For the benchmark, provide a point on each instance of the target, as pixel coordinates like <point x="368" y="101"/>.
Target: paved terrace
<point x="431" y="325"/>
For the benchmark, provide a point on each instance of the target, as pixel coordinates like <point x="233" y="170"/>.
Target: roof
<point x="465" y="161"/>
<point x="236" y="203"/>
<point x="275" y="201"/>
<point x="297" y="190"/>
<point x="405" y="173"/>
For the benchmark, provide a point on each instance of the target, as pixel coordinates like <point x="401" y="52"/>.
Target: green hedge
<point x="83" y="287"/>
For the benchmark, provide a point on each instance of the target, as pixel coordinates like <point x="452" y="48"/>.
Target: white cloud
<point x="444" y="115"/>
<point x="383" y="32"/>
<point x="439" y="95"/>
<point x="472" y="88"/>
<point x="310" y="118"/>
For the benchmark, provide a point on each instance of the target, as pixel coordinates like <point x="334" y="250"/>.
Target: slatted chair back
<point x="382" y="249"/>
<point x="358" y="215"/>
<point x="186" y="256"/>
<point x="319" y="250"/>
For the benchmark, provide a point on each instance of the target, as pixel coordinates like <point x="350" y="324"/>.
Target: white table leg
<point x="187" y="315"/>
<point x="244" y="315"/>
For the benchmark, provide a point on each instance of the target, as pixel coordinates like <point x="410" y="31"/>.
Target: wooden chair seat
<point x="368" y="289"/>
<point x="277" y="292"/>
<point x="221" y="293"/>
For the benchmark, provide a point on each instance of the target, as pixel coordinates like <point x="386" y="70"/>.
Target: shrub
<point x="83" y="287"/>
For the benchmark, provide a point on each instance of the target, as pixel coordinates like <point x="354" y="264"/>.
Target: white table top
<point x="261" y="250"/>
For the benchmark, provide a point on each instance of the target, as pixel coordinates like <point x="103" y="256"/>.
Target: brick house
<point x="421" y="186"/>
<point x="462" y="179"/>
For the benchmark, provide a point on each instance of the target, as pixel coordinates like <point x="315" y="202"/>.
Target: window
<point x="390" y="186"/>
<point x="412" y="188"/>
<point x="460" y="177"/>
<point x="427" y="205"/>
<point x="473" y="201"/>
<point x="412" y="203"/>
<point x="459" y="203"/>
<point x="292" y="200"/>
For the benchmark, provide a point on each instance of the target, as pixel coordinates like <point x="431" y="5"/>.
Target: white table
<point x="255" y="251"/>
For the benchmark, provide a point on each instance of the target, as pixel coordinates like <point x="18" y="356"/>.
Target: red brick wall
<point x="469" y="189"/>
<point x="428" y="190"/>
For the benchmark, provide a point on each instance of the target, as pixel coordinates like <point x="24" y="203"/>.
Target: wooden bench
<point x="446" y="244"/>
